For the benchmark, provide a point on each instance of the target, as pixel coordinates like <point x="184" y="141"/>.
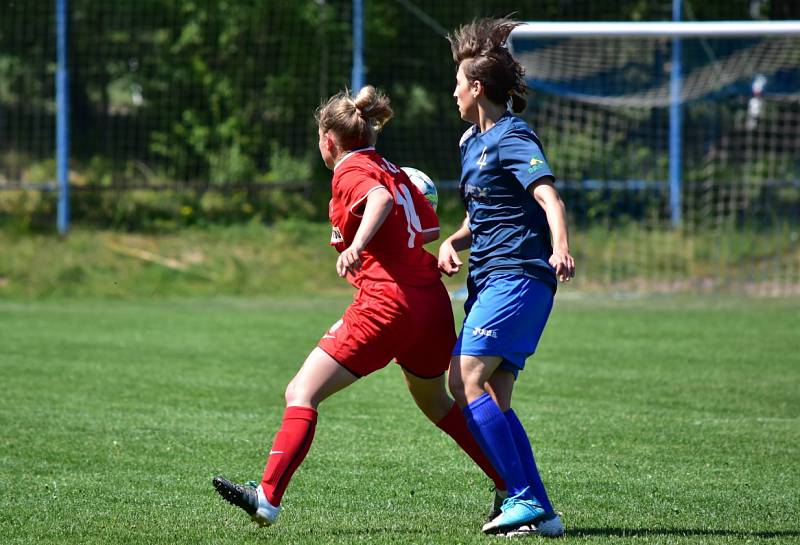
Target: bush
<point x="158" y="210"/>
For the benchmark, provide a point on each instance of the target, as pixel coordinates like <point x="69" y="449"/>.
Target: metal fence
<point x="219" y="96"/>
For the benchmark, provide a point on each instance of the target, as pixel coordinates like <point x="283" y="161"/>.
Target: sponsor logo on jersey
<point x="536" y="164"/>
<point x="336" y="236"/>
<point x="477" y="193"/>
<point x="485" y="332"/>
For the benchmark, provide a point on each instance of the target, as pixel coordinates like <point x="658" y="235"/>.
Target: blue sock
<point x="525" y="453"/>
<point x="491" y="430"/>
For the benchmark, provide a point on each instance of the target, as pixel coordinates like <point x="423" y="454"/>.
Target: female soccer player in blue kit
<point x="516" y="231"/>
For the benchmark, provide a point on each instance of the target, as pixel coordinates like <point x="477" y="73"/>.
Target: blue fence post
<point x="675" y="121"/>
<point x="62" y="116"/>
<point x="357" y="77"/>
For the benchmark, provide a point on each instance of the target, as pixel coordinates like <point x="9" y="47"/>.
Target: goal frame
<point x="675" y="30"/>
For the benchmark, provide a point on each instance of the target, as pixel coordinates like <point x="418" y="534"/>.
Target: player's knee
<point x="467" y="387"/>
<point x="289" y="394"/>
<point x="456" y="385"/>
<point x="296" y="394"/>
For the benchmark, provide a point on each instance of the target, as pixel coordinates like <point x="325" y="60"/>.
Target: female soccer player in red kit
<point x="401" y="309"/>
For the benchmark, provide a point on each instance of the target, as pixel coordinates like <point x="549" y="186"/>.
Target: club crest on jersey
<point x="336" y="236"/>
<point x="536" y="164"/>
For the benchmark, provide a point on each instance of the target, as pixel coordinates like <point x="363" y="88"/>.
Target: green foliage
<point x="106" y="194"/>
<point x="182" y="93"/>
<point x="156" y="210"/>
<point x="286" y="168"/>
<point x="24" y="211"/>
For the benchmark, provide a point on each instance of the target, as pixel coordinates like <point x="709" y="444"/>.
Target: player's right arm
<point x="449" y="262"/>
<point x="378" y="204"/>
<point x="430" y="236"/>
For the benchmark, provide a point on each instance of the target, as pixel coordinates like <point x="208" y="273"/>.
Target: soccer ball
<point x="424" y="184"/>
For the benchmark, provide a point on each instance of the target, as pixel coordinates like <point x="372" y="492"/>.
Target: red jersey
<point x="395" y="253"/>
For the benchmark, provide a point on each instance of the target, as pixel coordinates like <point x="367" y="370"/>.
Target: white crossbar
<point x="544" y="29"/>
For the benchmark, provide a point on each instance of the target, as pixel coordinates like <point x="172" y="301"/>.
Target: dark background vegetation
<point x="211" y="102"/>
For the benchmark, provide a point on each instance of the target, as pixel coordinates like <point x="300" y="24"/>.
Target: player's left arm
<point x="377" y="207"/>
<point x="544" y="191"/>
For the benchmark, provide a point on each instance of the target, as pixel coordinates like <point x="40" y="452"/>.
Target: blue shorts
<point x="505" y="317"/>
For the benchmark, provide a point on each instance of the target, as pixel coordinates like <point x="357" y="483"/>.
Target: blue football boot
<point x="516" y="511"/>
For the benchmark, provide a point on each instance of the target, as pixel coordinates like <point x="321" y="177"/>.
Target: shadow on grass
<point x="432" y="534"/>
<point x="644" y="532"/>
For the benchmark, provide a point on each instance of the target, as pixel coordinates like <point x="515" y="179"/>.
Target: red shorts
<point x="411" y="324"/>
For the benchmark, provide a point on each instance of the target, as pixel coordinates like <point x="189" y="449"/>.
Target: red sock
<point x="455" y="425"/>
<point x="289" y="449"/>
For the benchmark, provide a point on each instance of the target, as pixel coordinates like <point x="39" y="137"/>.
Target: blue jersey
<point x="510" y="233"/>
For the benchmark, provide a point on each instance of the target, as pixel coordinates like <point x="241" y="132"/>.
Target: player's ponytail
<point x="482" y="44"/>
<point x="518" y="103"/>
<point x="355" y="120"/>
<point x="373" y="106"/>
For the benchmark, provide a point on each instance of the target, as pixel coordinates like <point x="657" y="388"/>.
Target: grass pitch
<point x="653" y="420"/>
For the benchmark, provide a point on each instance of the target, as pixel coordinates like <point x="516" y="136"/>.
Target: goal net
<point x="677" y="148"/>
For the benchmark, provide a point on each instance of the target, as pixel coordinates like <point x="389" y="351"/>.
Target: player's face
<point x="326" y="148"/>
<point x="466" y="98"/>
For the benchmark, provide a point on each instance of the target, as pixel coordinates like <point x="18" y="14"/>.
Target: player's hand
<point x="449" y="263"/>
<point x="564" y="265"/>
<point x="349" y="261"/>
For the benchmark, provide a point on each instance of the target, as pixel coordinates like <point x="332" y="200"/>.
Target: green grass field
<point x="656" y="420"/>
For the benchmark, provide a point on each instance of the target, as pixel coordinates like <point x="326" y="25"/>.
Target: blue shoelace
<point x="511" y="501"/>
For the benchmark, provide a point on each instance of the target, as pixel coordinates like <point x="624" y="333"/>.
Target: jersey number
<point x="413" y="225"/>
<point x="482" y="159"/>
<point x="390" y="167"/>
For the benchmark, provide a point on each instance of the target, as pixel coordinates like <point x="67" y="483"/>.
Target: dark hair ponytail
<point x="518" y="103"/>
<point x="481" y="47"/>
